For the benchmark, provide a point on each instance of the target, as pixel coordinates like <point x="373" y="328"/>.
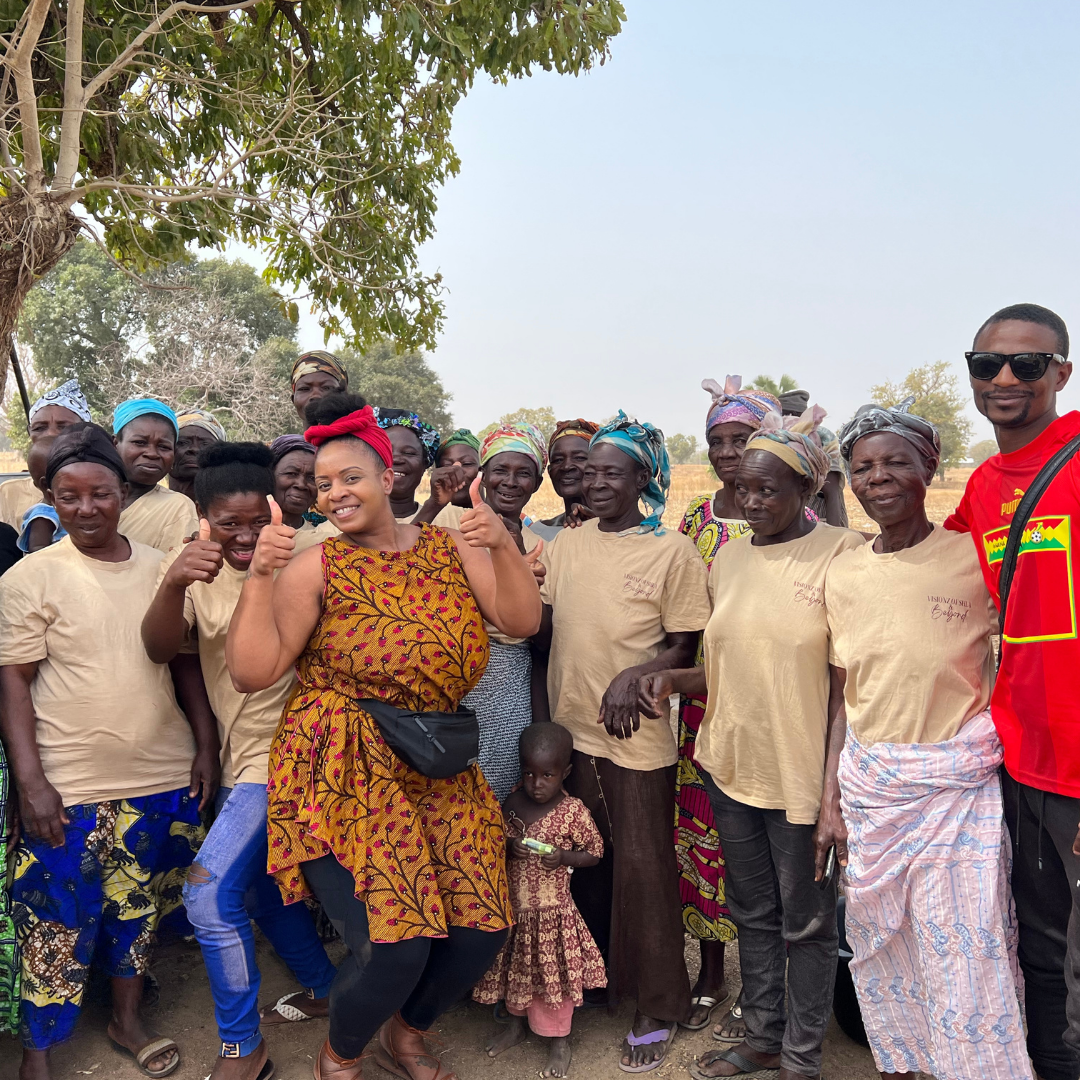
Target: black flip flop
<point x="745" y="1066"/>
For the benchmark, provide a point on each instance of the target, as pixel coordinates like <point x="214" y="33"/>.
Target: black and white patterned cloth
<point x="503" y="705"/>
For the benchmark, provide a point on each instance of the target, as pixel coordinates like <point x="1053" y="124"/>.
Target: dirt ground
<point x="185" y="1013"/>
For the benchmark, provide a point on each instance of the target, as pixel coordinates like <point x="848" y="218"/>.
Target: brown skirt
<point x="630" y="900"/>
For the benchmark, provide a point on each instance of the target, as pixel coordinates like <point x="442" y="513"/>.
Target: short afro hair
<point x="233" y="468"/>
<point x="1032" y="313"/>
<point x="545" y="737"/>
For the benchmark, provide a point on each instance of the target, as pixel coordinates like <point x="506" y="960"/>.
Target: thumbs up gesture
<point x="535" y="565"/>
<point x="275" y="545"/>
<point x="200" y="559"/>
<point x="481" y="526"/>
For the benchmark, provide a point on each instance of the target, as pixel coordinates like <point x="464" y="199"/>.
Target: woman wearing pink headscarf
<point x="710" y="521"/>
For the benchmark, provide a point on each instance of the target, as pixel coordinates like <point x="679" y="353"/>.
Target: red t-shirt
<point x="1036" y="700"/>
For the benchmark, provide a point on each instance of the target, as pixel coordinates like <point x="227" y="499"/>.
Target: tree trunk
<point x="35" y="234"/>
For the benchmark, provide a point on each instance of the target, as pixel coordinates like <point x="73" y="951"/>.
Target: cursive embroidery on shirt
<point x="636" y="585"/>
<point x="810" y="595"/>
<point x="949" y="608"/>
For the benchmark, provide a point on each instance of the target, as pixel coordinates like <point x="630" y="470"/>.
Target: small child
<point x="550" y="956"/>
<point x="40" y="524"/>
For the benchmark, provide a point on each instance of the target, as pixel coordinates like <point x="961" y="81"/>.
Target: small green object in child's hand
<point x="538" y="846"/>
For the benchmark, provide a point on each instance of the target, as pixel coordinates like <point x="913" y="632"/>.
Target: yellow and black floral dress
<point x="425" y="854"/>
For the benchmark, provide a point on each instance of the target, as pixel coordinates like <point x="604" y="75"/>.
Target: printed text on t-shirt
<point x="810" y="595"/>
<point x="948" y="608"/>
<point x="636" y="585"/>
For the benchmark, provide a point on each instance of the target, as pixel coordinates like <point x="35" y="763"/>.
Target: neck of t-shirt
<point x="118" y="550"/>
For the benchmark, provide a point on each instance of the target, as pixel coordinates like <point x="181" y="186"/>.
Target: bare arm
<point x="191" y="694"/>
<point x="830" y="828"/>
<point x="275" y="617"/>
<point x="40" y="805"/>
<point x="619" y="707"/>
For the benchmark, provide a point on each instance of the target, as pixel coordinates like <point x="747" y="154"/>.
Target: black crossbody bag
<point x="436" y="744"/>
<point x="1023" y="514"/>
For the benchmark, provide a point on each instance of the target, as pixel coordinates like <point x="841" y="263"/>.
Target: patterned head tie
<point x="733" y="405"/>
<point x="428" y="436"/>
<point x="133" y="408"/>
<point x="286" y="444"/>
<point x="201" y="418"/>
<point x="644" y="444"/>
<point x="895" y="418"/>
<point x="68" y="396"/>
<point x="583" y="429"/>
<point x="518" y="439"/>
<point x="319" y="360"/>
<point x="83" y="443"/>
<point x="795" y="441"/>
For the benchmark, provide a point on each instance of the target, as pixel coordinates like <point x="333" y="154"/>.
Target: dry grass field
<point x="690" y="481"/>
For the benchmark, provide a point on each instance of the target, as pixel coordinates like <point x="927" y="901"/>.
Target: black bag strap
<point x="1023" y="514"/>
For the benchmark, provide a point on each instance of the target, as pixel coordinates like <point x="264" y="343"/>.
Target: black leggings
<point x="420" y="977"/>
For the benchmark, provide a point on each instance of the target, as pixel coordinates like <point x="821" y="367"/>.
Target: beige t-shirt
<point x="912" y="629"/>
<point x="246" y="722"/>
<point x="449" y="517"/>
<point x="767" y="668"/>
<point x="308" y="536"/>
<point x="614" y="599"/>
<point x="16" y="497"/>
<point x="108" y="725"/>
<point x="161" y="519"/>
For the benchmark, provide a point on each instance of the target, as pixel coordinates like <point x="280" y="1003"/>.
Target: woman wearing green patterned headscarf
<point x="455" y="469"/>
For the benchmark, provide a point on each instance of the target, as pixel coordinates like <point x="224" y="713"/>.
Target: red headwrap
<point x="360" y="424"/>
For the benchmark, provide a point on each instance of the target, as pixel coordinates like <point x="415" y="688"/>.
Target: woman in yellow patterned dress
<point x="410" y="869"/>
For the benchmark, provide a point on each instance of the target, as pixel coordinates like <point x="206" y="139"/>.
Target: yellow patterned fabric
<point x="425" y="854"/>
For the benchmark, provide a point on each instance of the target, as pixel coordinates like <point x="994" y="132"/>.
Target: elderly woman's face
<point x="569" y="456"/>
<point x="88" y="498"/>
<point x="889" y="477"/>
<point x="726" y="445"/>
<point x="769" y="493"/>
<point x="510" y="479"/>
<point x="612" y="483"/>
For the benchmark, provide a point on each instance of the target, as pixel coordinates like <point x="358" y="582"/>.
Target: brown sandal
<point x="358" y="1062"/>
<point x="387" y="1056"/>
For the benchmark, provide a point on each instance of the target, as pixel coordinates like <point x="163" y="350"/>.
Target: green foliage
<point x="681" y="448"/>
<point x="90" y="321"/>
<point x="771" y="386"/>
<point x="939" y="399"/>
<point x="980" y="451"/>
<point x="316" y="131"/>
<point x="400" y="380"/>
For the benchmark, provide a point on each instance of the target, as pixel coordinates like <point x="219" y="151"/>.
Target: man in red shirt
<point x="1018" y="365"/>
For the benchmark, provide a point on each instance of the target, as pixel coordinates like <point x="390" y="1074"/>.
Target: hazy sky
<point x="840" y="191"/>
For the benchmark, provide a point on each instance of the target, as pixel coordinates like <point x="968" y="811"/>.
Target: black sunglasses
<point x="1026" y="366"/>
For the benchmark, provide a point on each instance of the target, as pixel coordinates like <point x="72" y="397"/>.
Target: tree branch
<point x="74" y="103"/>
<point x="19" y="63"/>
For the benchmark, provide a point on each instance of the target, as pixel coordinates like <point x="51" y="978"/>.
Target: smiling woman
<point x="145" y="431"/>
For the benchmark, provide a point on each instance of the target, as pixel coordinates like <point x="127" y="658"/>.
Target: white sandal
<point x="708" y="1002"/>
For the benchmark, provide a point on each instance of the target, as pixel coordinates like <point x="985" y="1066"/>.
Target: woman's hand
<point x="535" y="565"/>
<point x="42" y="812"/>
<point x="446" y="482"/>
<point x="653" y="691"/>
<point x="830" y="830"/>
<point x="481" y="526"/>
<point x="199" y="560"/>
<point x="205" y="775"/>
<point x="579" y="514"/>
<point x="275" y="545"/>
<point x="619" y="705"/>
<point x="517" y="849"/>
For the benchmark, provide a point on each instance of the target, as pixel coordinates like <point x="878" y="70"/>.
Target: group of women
<point x="281" y="643"/>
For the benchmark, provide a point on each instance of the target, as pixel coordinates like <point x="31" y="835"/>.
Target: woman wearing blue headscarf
<point x="145" y="432"/>
<point x="623" y="597"/>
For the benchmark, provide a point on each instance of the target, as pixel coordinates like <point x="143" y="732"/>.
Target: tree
<point x="980" y="451"/>
<point x="543" y="419"/>
<point x="400" y="380"/>
<point x="681" y="448"/>
<point x="90" y="321"/>
<point x="317" y="130"/>
<point x="939" y="399"/>
<point x="771" y="386"/>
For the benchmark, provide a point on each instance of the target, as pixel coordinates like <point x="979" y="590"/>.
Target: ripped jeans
<point x="237" y="890"/>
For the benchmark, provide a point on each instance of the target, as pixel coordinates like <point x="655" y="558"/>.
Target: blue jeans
<point x="221" y="909"/>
